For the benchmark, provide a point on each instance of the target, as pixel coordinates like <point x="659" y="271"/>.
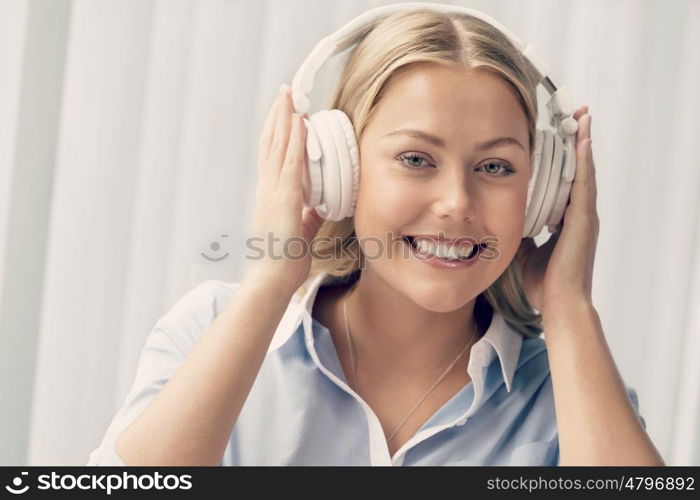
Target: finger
<point x="582" y="188"/>
<point x="588" y="187"/>
<point x="590" y="123"/>
<point x="582" y="133"/>
<point x="594" y="201"/>
<point x="290" y="177"/>
<point x="594" y="183"/>
<point x="580" y="111"/>
<point x="280" y="140"/>
<point x="312" y="222"/>
<point x="267" y="130"/>
<point x="586" y="123"/>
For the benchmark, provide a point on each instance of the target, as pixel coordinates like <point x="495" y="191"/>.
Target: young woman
<point x="384" y="347"/>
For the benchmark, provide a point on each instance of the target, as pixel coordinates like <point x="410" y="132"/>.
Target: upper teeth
<point x="443" y="250"/>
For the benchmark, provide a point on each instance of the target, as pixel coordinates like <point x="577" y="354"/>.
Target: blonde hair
<point x="457" y="40"/>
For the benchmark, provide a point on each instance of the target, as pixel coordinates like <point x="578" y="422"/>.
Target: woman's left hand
<point x="561" y="270"/>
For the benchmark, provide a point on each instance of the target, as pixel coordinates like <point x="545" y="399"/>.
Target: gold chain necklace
<point x="354" y="372"/>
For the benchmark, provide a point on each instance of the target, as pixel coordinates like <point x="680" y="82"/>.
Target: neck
<point x="394" y="334"/>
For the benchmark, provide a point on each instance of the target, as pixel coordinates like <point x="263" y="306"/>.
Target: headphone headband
<point x="559" y="104"/>
<point x="331" y="182"/>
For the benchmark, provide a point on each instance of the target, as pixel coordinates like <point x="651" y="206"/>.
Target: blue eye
<point x="506" y="169"/>
<point x="506" y="172"/>
<point x="414" y="156"/>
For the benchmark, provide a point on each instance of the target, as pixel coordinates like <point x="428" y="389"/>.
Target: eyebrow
<point x="436" y="141"/>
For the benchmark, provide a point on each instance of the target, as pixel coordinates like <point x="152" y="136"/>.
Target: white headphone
<point x="332" y="175"/>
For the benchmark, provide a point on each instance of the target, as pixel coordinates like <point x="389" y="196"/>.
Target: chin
<point x="439" y="300"/>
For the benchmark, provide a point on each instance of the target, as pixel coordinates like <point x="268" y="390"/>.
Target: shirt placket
<point x="477" y="372"/>
<point x="378" y="447"/>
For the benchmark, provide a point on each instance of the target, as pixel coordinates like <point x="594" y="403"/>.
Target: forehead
<point x="448" y="101"/>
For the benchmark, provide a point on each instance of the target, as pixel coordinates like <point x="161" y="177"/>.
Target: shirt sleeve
<point x="166" y="347"/>
<point x="632" y="394"/>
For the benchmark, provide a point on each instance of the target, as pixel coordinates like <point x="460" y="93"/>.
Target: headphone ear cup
<point x="312" y="181"/>
<point x="330" y="170"/>
<point x="554" y="182"/>
<point x="534" y="187"/>
<point x="561" y="199"/>
<point x="340" y="166"/>
<point x="350" y="167"/>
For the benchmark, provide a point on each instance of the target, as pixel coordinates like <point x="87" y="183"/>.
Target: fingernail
<point x="284" y="89"/>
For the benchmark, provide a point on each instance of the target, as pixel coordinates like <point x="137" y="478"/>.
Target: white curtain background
<point x="128" y="138"/>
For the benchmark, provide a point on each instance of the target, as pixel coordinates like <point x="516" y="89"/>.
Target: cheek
<point x="382" y="177"/>
<point x="505" y="209"/>
<point x="503" y="217"/>
<point x="384" y="197"/>
<point x="509" y="198"/>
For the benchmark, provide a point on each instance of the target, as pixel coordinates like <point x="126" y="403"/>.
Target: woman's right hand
<point x="281" y="220"/>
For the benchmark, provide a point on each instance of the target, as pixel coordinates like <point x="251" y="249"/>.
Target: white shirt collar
<point x="499" y="339"/>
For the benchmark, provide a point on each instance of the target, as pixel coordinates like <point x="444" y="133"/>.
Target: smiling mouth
<point x="410" y="240"/>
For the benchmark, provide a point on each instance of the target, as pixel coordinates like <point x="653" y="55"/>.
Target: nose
<point x="455" y="196"/>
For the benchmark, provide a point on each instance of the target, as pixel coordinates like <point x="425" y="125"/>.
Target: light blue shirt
<point x="301" y="411"/>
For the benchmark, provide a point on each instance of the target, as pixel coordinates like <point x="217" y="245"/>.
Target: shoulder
<point x="532" y="378"/>
<point x="194" y="311"/>
<point x="533" y="355"/>
<point x="534" y="372"/>
<point x="203" y="301"/>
